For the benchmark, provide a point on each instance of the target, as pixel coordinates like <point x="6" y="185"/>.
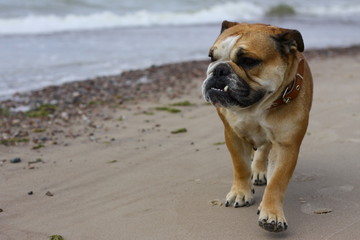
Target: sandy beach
<point x="118" y="160"/>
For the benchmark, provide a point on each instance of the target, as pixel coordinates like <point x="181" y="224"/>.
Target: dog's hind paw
<point x="258" y="178"/>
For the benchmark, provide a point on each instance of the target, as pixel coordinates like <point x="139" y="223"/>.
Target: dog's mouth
<point x="220" y="93"/>
<point x="224" y="90"/>
<point x="230" y="91"/>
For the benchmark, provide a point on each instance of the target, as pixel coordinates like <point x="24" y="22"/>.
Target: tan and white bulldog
<point x="261" y="86"/>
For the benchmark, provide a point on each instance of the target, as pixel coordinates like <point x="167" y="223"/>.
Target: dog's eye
<point x="247" y="62"/>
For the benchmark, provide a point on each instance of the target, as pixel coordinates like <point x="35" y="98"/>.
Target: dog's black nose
<point x="221" y="70"/>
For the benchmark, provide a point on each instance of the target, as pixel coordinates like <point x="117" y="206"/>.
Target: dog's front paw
<point x="239" y="197"/>
<point x="272" y="219"/>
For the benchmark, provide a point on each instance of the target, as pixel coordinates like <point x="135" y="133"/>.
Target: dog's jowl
<point x="261" y="86"/>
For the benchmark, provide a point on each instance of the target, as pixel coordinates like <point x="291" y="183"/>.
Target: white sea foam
<point x="339" y="9"/>
<point x="34" y="24"/>
<point x="239" y="11"/>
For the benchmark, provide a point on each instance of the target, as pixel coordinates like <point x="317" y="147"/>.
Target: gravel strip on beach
<point x="60" y="106"/>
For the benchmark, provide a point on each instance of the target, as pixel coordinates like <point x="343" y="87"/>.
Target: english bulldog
<point x="261" y="86"/>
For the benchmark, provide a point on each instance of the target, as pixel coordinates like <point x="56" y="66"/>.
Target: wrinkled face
<point x="248" y="64"/>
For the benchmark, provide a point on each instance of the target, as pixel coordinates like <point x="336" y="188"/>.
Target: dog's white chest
<point x="250" y="128"/>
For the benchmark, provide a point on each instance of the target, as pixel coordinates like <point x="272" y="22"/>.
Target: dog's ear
<point x="290" y="40"/>
<point x="226" y="24"/>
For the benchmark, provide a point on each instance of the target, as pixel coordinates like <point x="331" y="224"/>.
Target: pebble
<point x="44" y="139"/>
<point x="65" y="116"/>
<point x="48" y="193"/>
<point x="15" y="160"/>
<point x="21" y="134"/>
<point x="15" y="121"/>
<point x="30" y="193"/>
<point x="323" y="211"/>
<point x="76" y="94"/>
<point x="38" y="160"/>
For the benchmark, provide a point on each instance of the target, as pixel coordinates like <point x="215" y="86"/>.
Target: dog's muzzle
<point x="224" y="87"/>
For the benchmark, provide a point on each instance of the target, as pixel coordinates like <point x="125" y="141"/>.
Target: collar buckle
<point x="293" y="89"/>
<point x="284" y="98"/>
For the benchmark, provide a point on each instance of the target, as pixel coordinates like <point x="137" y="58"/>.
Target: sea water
<point x="46" y="43"/>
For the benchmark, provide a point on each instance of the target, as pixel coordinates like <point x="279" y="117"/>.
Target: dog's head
<point x="250" y="63"/>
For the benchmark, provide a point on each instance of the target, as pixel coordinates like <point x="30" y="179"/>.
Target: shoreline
<point x="68" y="103"/>
<point x="69" y="59"/>
<point x="138" y="75"/>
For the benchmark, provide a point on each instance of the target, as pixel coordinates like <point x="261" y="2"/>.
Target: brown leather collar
<point x="292" y="90"/>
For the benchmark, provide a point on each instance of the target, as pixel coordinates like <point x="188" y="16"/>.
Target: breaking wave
<point x="238" y="11"/>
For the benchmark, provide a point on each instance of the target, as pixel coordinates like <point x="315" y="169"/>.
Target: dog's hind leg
<point x="259" y="165"/>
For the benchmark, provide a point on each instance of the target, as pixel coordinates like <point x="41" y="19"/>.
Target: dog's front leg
<point x="282" y="162"/>
<point x="241" y="190"/>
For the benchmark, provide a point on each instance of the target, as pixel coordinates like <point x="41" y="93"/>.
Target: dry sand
<point x="131" y="178"/>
